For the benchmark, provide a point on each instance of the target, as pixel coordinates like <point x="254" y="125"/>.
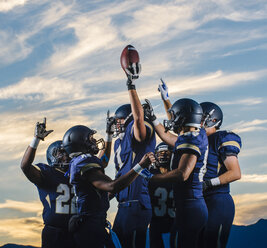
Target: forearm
<point x="167" y="106"/>
<point x="175" y="176"/>
<point x="167" y="137"/>
<point x="229" y="176"/>
<point x="104" y="155"/>
<point x="28" y="169"/>
<point x="138" y="116"/>
<point x="123" y="181"/>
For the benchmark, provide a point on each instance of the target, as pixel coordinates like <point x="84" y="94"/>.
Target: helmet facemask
<point x="94" y="146"/>
<point x="175" y="123"/>
<point x="163" y="158"/>
<point x="209" y="121"/>
<point x="60" y="158"/>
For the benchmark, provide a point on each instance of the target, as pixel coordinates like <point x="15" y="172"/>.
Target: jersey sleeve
<point x="149" y="131"/>
<point x="230" y="144"/>
<point x="189" y="142"/>
<point x="46" y="174"/>
<point x="81" y="165"/>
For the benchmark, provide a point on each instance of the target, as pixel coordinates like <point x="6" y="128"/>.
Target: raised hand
<point x="110" y="122"/>
<point x="133" y="71"/>
<point x="40" y="130"/>
<point x="163" y="89"/>
<point x="149" y="111"/>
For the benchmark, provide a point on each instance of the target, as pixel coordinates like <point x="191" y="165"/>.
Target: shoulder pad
<point x="229" y="142"/>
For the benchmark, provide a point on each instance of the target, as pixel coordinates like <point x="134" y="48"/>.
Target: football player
<point x="188" y="165"/>
<point x="136" y="137"/>
<point x="92" y="185"/>
<point x="55" y="192"/>
<point x="161" y="195"/>
<point x="222" y="169"/>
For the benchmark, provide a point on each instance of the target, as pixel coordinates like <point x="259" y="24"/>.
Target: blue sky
<point x="60" y="59"/>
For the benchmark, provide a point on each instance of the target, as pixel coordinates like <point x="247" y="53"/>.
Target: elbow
<point x="23" y="166"/>
<point x="238" y="176"/>
<point x="182" y="177"/>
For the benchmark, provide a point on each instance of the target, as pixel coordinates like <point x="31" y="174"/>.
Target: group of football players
<point x="177" y="191"/>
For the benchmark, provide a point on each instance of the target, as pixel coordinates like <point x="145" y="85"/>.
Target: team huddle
<point x="174" y="194"/>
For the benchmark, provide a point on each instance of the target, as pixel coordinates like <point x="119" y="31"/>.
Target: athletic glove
<point x="163" y="89"/>
<point x="148" y="110"/>
<point x="110" y="122"/>
<point x="40" y="130"/>
<point x="145" y="173"/>
<point x="132" y="73"/>
<point x="206" y="185"/>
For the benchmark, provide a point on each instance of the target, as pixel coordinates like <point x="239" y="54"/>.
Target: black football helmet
<point x="212" y="115"/>
<point x="163" y="155"/>
<point x="123" y="112"/>
<point x="56" y="156"/>
<point x="184" y="112"/>
<point x="79" y="139"/>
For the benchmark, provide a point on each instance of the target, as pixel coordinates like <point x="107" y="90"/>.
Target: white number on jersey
<point x="63" y="203"/>
<point x="203" y="169"/>
<point x="162" y="208"/>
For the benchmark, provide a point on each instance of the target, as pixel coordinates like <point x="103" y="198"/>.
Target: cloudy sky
<point x="60" y="59"/>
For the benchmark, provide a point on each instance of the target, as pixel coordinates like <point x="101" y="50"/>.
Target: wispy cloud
<point x="26" y="207"/>
<point x="248" y="211"/>
<point x="7" y="5"/>
<point x="244" y="126"/>
<point x="253" y="178"/>
<point x="247" y="101"/>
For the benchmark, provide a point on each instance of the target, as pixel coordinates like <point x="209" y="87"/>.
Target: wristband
<point x="108" y="137"/>
<point x="131" y="87"/>
<point x="137" y="168"/>
<point x="155" y="122"/>
<point x="35" y="142"/>
<point x="215" y="181"/>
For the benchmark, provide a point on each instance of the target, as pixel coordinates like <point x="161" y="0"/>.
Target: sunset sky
<point x="60" y="59"/>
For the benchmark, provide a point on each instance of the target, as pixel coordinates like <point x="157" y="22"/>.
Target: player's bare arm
<point x="30" y="171"/>
<point x="138" y="116"/>
<point x="186" y="165"/>
<point x="167" y="137"/>
<point x="233" y="172"/>
<point x="105" y="183"/>
<point x="132" y="68"/>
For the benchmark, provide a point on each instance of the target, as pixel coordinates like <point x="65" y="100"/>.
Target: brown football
<point x="129" y="56"/>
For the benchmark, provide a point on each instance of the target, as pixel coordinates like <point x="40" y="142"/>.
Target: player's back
<point x="197" y="143"/>
<point x="57" y="196"/>
<point x="90" y="200"/>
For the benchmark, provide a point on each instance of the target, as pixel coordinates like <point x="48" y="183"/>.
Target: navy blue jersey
<point x="90" y="200"/>
<point x="56" y="195"/>
<point x="128" y="152"/>
<point x="195" y="143"/>
<point x="161" y="196"/>
<point x="221" y="145"/>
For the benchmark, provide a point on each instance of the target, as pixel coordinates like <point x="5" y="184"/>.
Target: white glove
<point x="133" y="71"/>
<point x="163" y="89"/>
